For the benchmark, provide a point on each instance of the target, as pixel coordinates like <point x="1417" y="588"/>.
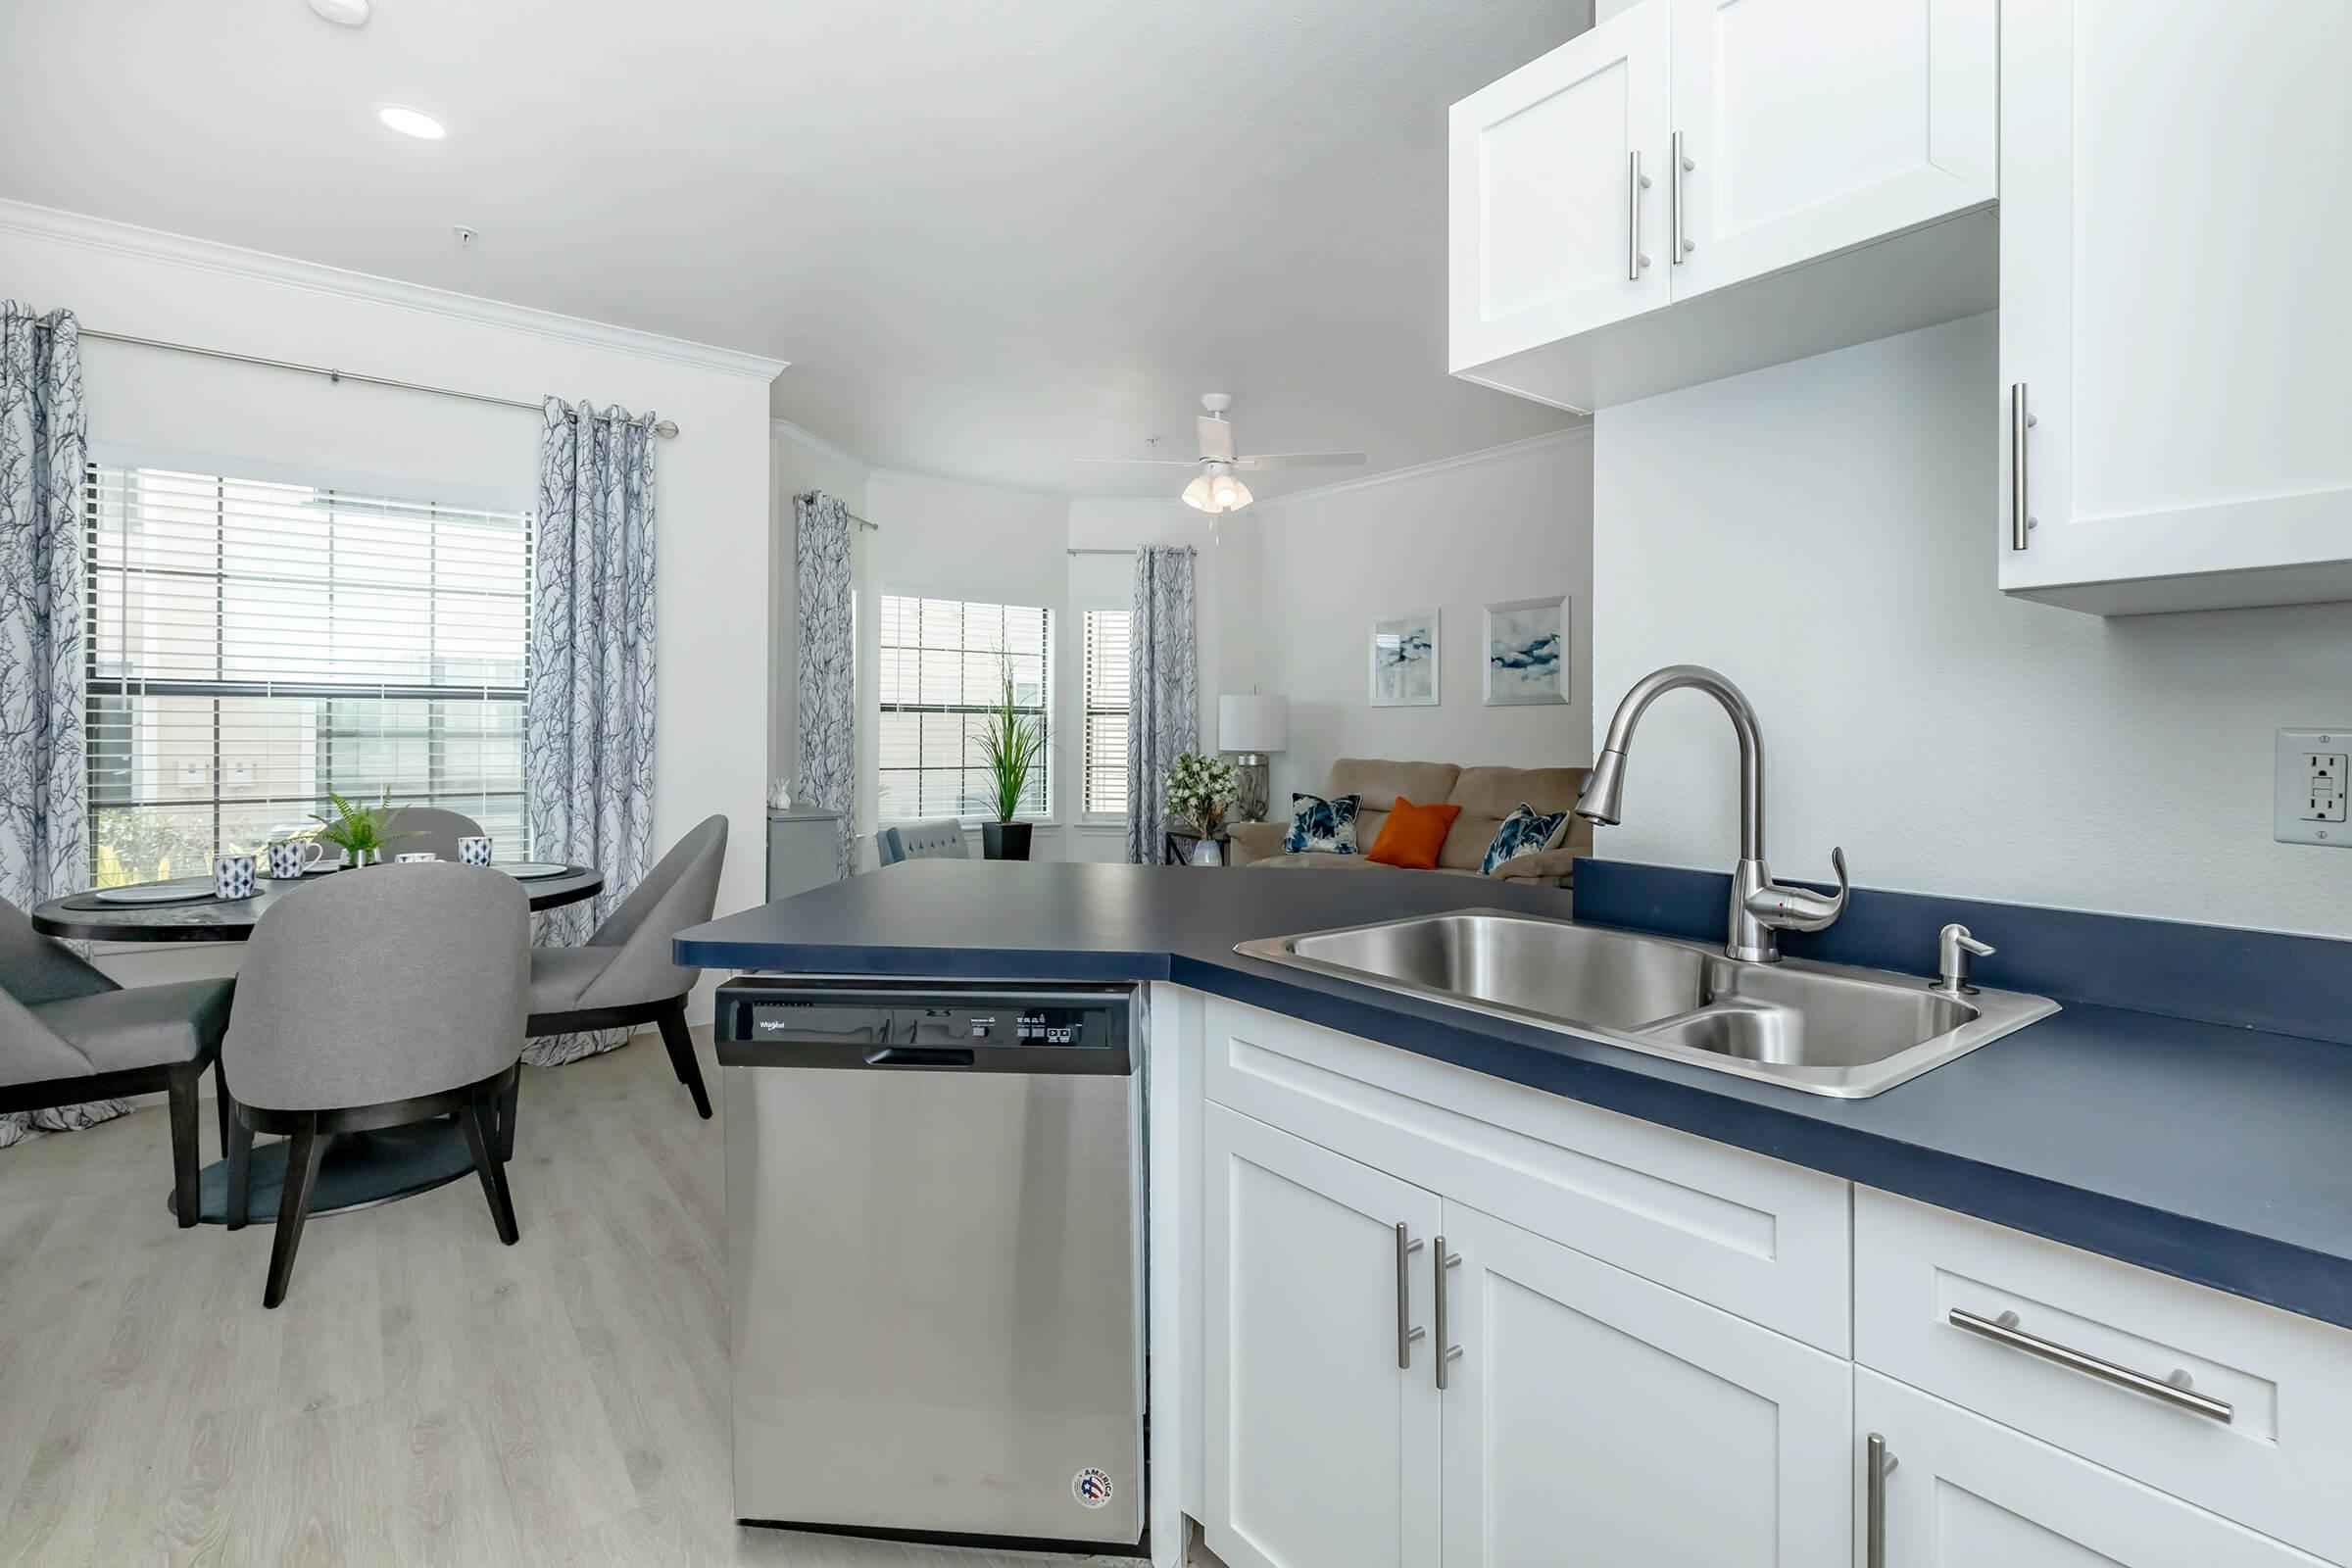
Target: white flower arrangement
<point x="1199" y="789"/>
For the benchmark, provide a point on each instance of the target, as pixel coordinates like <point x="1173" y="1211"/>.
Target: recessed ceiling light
<point x="343" y="13"/>
<point x="412" y="122"/>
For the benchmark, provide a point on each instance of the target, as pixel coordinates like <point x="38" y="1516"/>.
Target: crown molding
<point x="942" y="481"/>
<point x="184" y="251"/>
<point x="1422" y="470"/>
<point x="818" y="443"/>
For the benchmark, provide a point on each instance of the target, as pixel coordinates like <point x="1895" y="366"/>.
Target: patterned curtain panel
<point x="44" y="445"/>
<point x="1164" y="718"/>
<point x="826" y="774"/>
<point x="588" y="726"/>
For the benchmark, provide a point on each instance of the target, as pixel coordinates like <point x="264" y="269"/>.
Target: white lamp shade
<point x="1253" y="723"/>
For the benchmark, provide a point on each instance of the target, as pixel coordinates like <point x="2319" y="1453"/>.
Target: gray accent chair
<point x="436" y="831"/>
<point x="68" y="1033"/>
<point x="623" y="976"/>
<point x="376" y="1001"/>
<point x="941" y="839"/>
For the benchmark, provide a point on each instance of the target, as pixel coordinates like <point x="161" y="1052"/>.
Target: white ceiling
<point x="989" y="236"/>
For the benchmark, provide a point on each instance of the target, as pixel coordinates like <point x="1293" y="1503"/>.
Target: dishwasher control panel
<point x="768" y="1019"/>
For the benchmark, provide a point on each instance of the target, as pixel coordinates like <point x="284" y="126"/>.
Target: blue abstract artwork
<point x="1526" y="652"/>
<point x="1404" y="660"/>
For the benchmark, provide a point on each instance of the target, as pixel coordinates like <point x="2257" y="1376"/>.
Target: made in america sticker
<point x="1091" y="1487"/>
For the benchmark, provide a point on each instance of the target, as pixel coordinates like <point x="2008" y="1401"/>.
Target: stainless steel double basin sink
<point x="1825" y="1029"/>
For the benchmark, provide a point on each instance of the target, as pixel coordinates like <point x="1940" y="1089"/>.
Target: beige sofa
<point x="1486" y="795"/>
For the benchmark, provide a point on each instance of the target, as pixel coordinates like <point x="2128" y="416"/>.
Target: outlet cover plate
<point x="2309" y="768"/>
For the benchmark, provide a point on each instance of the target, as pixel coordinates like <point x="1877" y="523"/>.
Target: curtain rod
<point x="667" y="427"/>
<point x="1100" y="552"/>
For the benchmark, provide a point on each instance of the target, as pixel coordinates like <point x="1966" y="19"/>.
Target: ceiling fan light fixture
<point x="1228" y="493"/>
<point x="1197" y="494"/>
<point x="411" y="122"/>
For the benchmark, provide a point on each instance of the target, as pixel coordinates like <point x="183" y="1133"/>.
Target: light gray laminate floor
<point x="426" y="1395"/>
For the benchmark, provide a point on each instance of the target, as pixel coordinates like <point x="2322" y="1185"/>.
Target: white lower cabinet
<point x="1587" y="1416"/>
<point x="1594" y="1417"/>
<point x="1965" y="1492"/>
<point x="1320" y="1450"/>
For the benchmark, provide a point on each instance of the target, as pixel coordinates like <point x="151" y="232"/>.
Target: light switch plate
<point x="2310" y="794"/>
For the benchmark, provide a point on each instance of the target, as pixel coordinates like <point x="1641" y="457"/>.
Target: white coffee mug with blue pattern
<point x="473" y="851"/>
<point x="232" y="876"/>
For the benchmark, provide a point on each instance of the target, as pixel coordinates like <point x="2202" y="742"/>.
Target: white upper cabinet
<point x="1550" y="221"/>
<point x="1810" y="127"/>
<point x="1606" y="197"/>
<point x="2176" y="232"/>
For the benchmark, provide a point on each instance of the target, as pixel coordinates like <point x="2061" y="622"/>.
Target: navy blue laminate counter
<point x="2193" y="1145"/>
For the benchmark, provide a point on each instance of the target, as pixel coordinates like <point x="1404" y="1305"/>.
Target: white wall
<point x="1825" y="533"/>
<point x="711" y="612"/>
<point x="1511" y="525"/>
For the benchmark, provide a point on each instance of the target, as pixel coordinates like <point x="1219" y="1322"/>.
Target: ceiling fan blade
<point x="1144" y="463"/>
<point x="1298" y="459"/>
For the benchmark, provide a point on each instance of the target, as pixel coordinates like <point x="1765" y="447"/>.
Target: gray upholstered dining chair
<point x="376" y="1001"/>
<point x="622" y="975"/>
<point x="941" y="839"/>
<point x="434" y="831"/>
<point x="68" y="1033"/>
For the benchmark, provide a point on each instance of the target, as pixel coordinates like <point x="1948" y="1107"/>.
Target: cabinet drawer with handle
<point x="2235" y="1406"/>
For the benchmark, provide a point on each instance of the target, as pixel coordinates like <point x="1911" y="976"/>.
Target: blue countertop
<point x="2211" y="1152"/>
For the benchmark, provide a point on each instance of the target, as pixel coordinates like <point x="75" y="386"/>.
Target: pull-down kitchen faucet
<point x="1761" y="909"/>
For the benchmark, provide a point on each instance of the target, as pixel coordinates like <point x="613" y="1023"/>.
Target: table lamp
<point x="1247" y="728"/>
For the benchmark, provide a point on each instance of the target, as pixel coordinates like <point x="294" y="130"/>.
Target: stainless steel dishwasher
<point x="935" y="1259"/>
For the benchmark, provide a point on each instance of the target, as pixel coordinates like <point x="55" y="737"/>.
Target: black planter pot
<point x="1005" y="841"/>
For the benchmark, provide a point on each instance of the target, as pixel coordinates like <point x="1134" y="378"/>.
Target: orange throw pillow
<point x="1413" y="834"/>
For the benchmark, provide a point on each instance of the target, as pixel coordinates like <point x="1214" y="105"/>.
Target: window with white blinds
<point x="944" y="663"/>
<point x="254" y="645"/>
<point x="1108" y="700"/>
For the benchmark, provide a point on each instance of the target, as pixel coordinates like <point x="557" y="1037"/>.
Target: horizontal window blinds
<point x="252" y="646"/>
<point x="1108" y="700"/>
<point x="944" y="663"/>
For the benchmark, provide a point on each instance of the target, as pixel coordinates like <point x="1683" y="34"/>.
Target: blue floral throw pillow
<point x="1322" y="827"/>
<point x="1524" y="831"/>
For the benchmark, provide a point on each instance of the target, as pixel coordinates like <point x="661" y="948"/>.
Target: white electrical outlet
<point x="2311" y="792"/>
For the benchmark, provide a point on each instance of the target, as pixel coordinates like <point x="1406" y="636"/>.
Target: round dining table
<point x="356" y="1170"/>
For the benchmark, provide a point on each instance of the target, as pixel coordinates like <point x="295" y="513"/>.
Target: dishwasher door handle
<point x="917" y="1056"/>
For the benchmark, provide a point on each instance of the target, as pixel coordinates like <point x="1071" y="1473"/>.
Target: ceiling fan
<point x="1218" y="487"/>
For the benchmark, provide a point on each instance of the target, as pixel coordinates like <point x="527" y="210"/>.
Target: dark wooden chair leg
<point x="508" y="1096"/>
<point x="293" y="1206"/>
<point x="681" y="1056"/>
<point x="180" y="1089"/>
<point x="239" y="1202"/>
<point x="222" y="1103"/>
<point x="480" y="1140"/>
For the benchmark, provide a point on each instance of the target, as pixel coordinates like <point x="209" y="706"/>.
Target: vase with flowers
<point x="1199" y="789"/>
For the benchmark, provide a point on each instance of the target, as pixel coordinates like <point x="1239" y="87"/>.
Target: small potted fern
<point x="360" y="832"/>
<point x="1012" y="744"/>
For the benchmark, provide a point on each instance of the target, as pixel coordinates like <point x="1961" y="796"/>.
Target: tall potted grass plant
<point x="1012" y="747"/>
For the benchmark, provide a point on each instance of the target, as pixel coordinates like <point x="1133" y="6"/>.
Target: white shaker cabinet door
<point x="1321" y="1450"/>
<point x="2175" y="240"/>
<point x="1811" y="126"/>
<point x="1549" y="223"/>
<point x="1964" y="1493"/>
<point x="1594" y="1417"/>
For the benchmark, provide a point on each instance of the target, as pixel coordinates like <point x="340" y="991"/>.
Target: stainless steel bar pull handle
<point x="1878" y="1464"/>
<point x="1406" y="1334"/>
<point x="2174" y="1391"/>
<point x="1679" y="241"/>
<point x="1635" y="182"/>
<point x="2021" y="419"/>
<point x="1447" y="1353"/>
